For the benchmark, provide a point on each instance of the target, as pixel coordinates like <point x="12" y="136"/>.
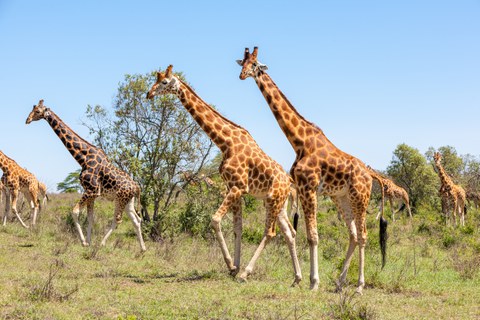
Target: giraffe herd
<point x="320" y="168"/>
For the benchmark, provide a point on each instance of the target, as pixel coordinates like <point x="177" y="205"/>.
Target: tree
<point x="411" y="171"/>
<point x="153" y="140"/>
<point x="71" y="184"/>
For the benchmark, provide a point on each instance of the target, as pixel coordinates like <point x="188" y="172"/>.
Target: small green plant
<point x="46" y="291"/>
<point x="347" y="307"/>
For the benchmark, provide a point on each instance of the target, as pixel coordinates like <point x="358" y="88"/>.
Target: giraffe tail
<point x="383" y="239"/>
<point x="402" y="207"/>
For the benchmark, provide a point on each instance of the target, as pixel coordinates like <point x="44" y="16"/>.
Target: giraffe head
<point x="437" y="157"/>
<point x="166" y="82"/>
<point x="251" y="67"/>
<point x="38" y="112"/>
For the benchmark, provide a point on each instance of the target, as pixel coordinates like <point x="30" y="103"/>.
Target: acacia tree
<point x="71" y="184"/>
<point x="410" y="170"/>
<point x="153" y="140"/>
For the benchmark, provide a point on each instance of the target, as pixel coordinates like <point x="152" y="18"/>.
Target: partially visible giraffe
<point x="42" y="192"/>
<point x="99" y="177"/>
<point x="245" y="168"/>
<point x="450" y="192"/>
<point x="17" y="179"/>
<point x="392" y="192"/>
<point x="473" y="196"/>
<point x="319" y="167"/>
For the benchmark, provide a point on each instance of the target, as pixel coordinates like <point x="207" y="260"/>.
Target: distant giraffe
<point x="392" y="192"/>
<point x="17" y="179"/>
<point x="450" y="192"/>
<point x="99" y="177"/>
<point x="319" y="167"/>
<point x="473" y="196"/>
<point x="42" y="192"/>
<point x="245" y="168"/>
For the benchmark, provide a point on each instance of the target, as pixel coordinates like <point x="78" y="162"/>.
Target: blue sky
<point x="371" y="74"/>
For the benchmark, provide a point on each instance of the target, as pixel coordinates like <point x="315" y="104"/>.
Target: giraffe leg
<point x="361" y="240"/>
<point x="454" y="212"/>
<point x="237" y="232"/>
<point x="344" y="206"/>
<point x="76" y="213"/>
<point x="289" y="235"/>
<point x="137" y="224"/>
<point x="7" y="207"/>
<point x="14" y="207"/>
<point x="91" y="221"/>
<point x="308" y="198"/>
<point x="392" y="209"/>
<point x="33" y="201"/>
<point x="120" y="206"/>
<point x="233" y="196"/>
<point x="271" y="212"/>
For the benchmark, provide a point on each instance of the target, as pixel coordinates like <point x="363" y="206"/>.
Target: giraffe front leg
<point x="137" y="224"/>
<point x="237" y="231"/>
<point x="289" y="235"/>
<point x="233" y="195"/>
<point x="272" y="211"/>
<point x="75" y="215"/>
<point x="91" y="219"/>
<point x="7" y="207"/>
<point x="309" y="204"/>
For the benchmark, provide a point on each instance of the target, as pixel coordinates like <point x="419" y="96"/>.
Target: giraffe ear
<point x="240" y="62"/>
<point x="262" y="66"/>
<point x="168" y="73"/>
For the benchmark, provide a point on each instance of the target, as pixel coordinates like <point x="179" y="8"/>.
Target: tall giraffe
<point x="245" y="168"/>
<point x="99" y="177"/>
<point x="17" y="179"/>
<point x="450" y="191"/>
<point x="319" y="167"/>
<point x="392" y="192"/>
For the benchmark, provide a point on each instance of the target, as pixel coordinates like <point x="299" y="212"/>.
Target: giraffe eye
<point x="164" y="81"/>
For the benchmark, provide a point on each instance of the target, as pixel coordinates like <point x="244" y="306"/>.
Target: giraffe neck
<point x="76" y="145"/>
<point x="6" y="164"/>
<point x="218" y="128"/>
<point x="444" y="177"/>
<point x="295" y="127"/>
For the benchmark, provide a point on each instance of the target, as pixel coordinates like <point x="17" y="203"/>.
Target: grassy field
<point x="431" y="273"/>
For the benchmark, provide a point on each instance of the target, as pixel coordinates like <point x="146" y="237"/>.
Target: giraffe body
<point x="473" y="196"/>
<point x="245" y="168"/>
<point x="17" y="179"/>
<point x="392" y="192"/>
<point x="453" y="196"/>
<point x="319" y="168"/>
<point x="98" y="177"/>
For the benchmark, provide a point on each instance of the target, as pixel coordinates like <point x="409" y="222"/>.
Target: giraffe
<point x="319" y="167"/>
<point x="392" y="192"/>
<point x="245" y="168"/>
<point x="17" y="179"/>
<point x="42" y="192"/>
<point x="450" y="192"/>
<point x="99" y="177"/>
<point x="473" y="196"/>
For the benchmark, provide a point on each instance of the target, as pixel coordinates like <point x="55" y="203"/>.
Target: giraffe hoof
<point x="234" y="271"/>
<point x="359" y="291"/>
<point x="85" y="244"/>
<point x="242" y="278"/>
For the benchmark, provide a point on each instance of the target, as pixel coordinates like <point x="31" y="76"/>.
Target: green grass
<point x="47" y="274"/>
